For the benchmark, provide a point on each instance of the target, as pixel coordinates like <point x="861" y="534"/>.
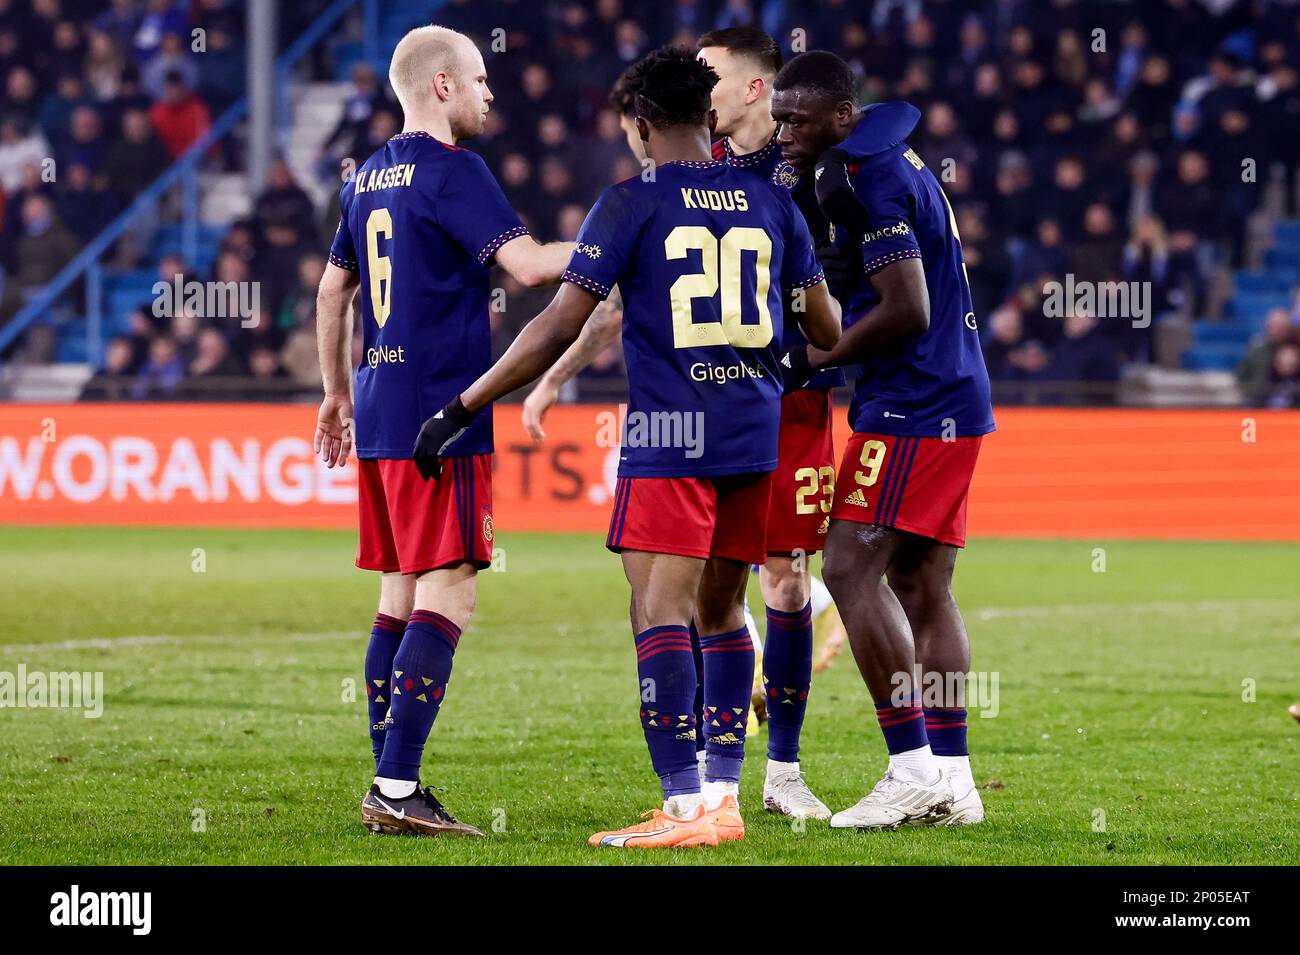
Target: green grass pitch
<point x="225" y="708"/>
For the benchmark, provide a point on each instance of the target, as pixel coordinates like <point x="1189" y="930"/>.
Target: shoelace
<point x="432" y="802"/>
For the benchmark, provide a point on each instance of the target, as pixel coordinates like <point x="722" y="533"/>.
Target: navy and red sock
<point x="787" y="676"/>
<point x="385" y="638"/>
<point x="903" y="725"/>
<point x="946" y="729"/>
<point x="728" y="682"/>
<point x="698" y="654"/>
<point x="421" y="670"/>
<point x="665" y="667"/>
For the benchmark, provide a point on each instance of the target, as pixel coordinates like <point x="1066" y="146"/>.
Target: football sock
<point x="421" y="670"/>
<point x="909" y="749"/>
<point x="715" y="792"/>
<point x="728" y="683"/>
<point x="777" y="768"/>
<point x="385" y="638"/>
<point x="787" y="675"/>
<point x="946" y="729"/>
<point x="684" y="805"/>
<point x="699" y="687"/>
<point x="666" y="669"/>
<point x="395" y="788"/>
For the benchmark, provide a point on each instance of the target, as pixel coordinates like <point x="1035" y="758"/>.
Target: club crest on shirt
<point x="785" y="175"/>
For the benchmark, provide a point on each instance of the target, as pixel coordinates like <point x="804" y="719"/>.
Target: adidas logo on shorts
<point x="857" y="498"/>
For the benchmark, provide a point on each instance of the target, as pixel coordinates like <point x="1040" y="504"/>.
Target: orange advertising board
<point x="1086" y="473"/>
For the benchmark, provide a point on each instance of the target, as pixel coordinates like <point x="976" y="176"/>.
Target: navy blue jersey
<point x="768" y="164"/>
<point x="935" y="384"/>
<point x="703" y="256"/>
<point x="426" y="218"/>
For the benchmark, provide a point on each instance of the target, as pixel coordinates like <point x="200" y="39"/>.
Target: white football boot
<point x="967" y="807"/>
<point x="895" y="801"/>
<point x="785" y="791"/>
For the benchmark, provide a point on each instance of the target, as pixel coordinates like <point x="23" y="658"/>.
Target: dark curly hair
<point x="819" y="72"/>
<point x="676" y="88"/>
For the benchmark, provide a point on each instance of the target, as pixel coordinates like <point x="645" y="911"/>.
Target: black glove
<point x="835" y="193"/>
<point x="842" y="270"/>
<point x="438" y="432"/>
<point x="796" y="369"/>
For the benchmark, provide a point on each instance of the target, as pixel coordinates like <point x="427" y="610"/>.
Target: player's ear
<point x="845" y="112"/>
<point x="442" y="85"/>
<point x="713" y="121"/>
<point x="642" y="129"/>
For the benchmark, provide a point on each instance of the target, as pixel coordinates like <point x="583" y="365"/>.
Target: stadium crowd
<point x="1107" y="156"/>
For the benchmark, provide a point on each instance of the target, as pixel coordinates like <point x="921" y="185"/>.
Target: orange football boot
<point x="727" y="821"/>
<point x="661" y="831"/>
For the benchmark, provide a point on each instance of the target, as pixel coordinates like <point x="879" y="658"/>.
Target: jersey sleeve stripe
<point x="875" y="265"/>
<point x="343" y="263"/>
<point x="591" y="285"/>
<point x="811" y="280"/>
<point x="490" y="249"/>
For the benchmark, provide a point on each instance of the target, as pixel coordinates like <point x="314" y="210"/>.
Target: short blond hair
<point x="421" y="54"/>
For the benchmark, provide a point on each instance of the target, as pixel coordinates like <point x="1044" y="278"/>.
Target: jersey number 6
<point x="381" y="266"/>
<point x="731" y="330"/>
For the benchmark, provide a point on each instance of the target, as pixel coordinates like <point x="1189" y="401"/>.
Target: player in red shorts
<point x="421" y="222"/>
<point x="707" y="257"/>
<point x="920" y="407"/>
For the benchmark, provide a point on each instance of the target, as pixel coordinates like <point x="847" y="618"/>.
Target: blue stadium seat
<point x="1222" y="333"/>
<point x="1219" y="357"/>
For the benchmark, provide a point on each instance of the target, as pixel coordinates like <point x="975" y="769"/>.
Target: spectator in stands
<point x="1284" y="381"/>
<point x="20" y="147"/>
<point x="180" y="117"/>
<point x="365" y="97"/>
<point x="104" y="65"/>
<point x="1083" y="354"/>
<point x="1256" y="369"/>
<point x="69" y="94"/>
<point x="173" y="58"/>
<point x="222" y="70"/>
<point x="113" y="382"/>
<point x="85" y="145"/>
<point x="265" y="365"/>
<point x="45" y="247"/>
<point x="22" y="94"/>
<point x="85" y="203"/>
<point x="213" y="357"/>
<point x="120" y="22"/>
<point x="137" y="158"/>
<point x="161" y="19"/>
<point x="162" y="372"/>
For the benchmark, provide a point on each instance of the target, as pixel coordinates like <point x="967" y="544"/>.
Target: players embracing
<point x="708" y="258"/>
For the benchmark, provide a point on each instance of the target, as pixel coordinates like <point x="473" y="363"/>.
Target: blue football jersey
<point x="935" y="384"/>
<point x="703" y="255"/>
<point x="768" y="164"/>
<point x="421" y="220"/>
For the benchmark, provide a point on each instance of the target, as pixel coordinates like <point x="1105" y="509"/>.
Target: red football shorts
<point x="692" y="516"/>
<point x="803" y="484"/>
<point x="918" y="485"/>
<point x="410" y="525"/>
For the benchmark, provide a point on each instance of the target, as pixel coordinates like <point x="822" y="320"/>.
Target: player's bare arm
<point x="601" y="330"/>
<point x="542" y="341"/>
<point x="333" y="441"/>
<point x="903" y="312"/>
<point x="533" y="263"/>
<point x="820" y="318"/>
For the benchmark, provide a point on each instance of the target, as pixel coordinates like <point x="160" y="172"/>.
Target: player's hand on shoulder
<point x="835" y="194"/>
<point x="334" y="430"/>
<point x="436" y="434"/>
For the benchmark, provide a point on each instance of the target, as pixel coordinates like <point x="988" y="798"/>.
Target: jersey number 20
<point x="726" y="254"/>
